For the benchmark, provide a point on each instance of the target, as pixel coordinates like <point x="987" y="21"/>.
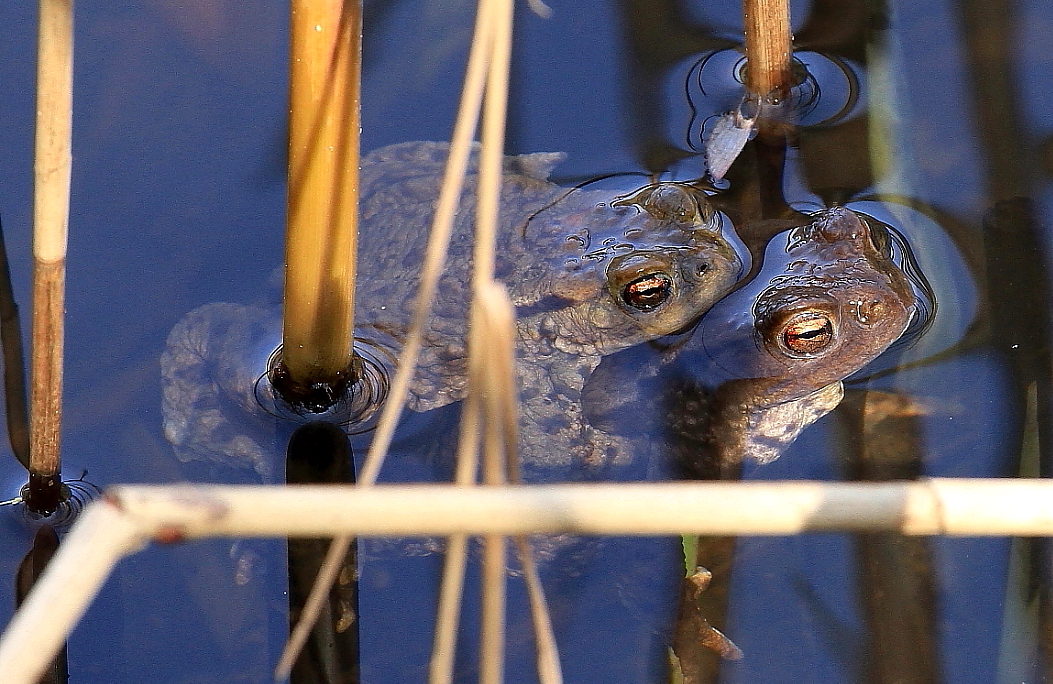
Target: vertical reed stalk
<point x="434" y="258"/>
<point x="768" y="47"/>
<point x="51" y="173"/>
<point x="325" y="47"/>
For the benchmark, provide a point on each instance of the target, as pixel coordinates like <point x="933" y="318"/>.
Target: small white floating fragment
<point x="728" y="137"/>
<point x="540" y="8"/>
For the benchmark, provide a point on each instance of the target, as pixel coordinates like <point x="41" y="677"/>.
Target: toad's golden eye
<point x="809" y="333"/>
<point x="648" y="292"/>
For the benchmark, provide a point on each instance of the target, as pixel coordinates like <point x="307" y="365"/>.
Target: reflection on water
<point x="179" y="116"/>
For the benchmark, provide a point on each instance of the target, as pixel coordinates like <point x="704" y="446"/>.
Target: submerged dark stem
<point x="45" y="544"/>
<point x="896" y="576"/>
<point x="44" y="493"/>
<point x="319" y="453"/>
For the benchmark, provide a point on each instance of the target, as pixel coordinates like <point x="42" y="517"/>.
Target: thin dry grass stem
<point x="768" y="46"/>
<point x="451" y="588"/>
<point x="493" y="311"/>
<point x="548" y="666"/>
<point x="496" y="348"/>
<point x="491" y="154"/>
<point x="444" y="646"/>
<point x="51" y="172"/>
<point x="312" y="607"/>
<point x="434" y="260"/>
<point x="492" y="345"/>
<point x="492" y="618"/>
<point x="438" y="241"/>
<point x="495" y="321"/>
<point x="324" y="87"/>
<point x="500" y="393"/>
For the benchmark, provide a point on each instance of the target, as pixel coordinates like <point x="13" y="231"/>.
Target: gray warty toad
<point x="589" y="272"/>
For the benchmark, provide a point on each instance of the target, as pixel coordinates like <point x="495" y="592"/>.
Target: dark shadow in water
<point x="45" y="544"/>
<point x="897" y="587"/>
<point x="1017" y="273"/>
<point x="17" y="410"/>
<point x="319" y="453"/>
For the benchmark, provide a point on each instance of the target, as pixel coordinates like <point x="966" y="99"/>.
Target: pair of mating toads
<point x="739" y="366"/>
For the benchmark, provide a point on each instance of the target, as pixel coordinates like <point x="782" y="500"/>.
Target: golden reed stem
<point x="324" y="122"/>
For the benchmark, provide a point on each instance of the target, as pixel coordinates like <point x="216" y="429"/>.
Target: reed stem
<point x="54" y="124"/>
<point x="768" y="46"/>
<point x="946" y="506"/>
<point x="324" y="122"/>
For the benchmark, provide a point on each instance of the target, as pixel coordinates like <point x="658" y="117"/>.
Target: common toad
<point x="768" y="360"/>
<point x="589" y="273"/>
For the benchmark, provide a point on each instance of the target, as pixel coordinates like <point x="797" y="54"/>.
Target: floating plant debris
<point x="724" y="116"/>
<point x="728" y="136"/>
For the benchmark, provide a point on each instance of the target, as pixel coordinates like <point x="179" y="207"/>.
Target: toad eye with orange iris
<point x="648" y="292"/>
<point x="808" y="334"/>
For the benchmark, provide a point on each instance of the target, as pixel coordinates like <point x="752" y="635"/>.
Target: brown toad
<point x="768" y="360"/>
<point x="829" y="300"/>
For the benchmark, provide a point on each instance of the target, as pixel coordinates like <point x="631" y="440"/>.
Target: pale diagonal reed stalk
<point x="51" y="171"/>
<point x="129" y="516"/>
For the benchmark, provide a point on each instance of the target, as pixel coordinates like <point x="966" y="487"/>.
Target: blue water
<point x="178" y="200"/>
